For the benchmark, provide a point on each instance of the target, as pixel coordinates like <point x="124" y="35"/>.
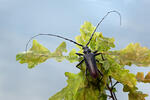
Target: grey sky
<point x="21" y="19"/>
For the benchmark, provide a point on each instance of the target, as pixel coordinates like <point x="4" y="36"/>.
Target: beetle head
<point x="86" y="50"/>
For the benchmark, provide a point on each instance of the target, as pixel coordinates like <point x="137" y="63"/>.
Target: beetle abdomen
<point x="94" y="74"/>
<point x="91" y="65"/>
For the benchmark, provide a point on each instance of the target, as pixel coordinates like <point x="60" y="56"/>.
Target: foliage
<point x="81" y="87"/>
<point x="133" y="54"/>
<point x="140" y="77"/>
<point x="134" y="94"/>
<point x="39" y="54"/>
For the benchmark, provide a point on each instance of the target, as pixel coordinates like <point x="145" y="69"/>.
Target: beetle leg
<point x="102" y="57"/>
<point x="100" y="73"/>
<point x="79" y="64"/>
<point x="95" y="51"/>
<point x="98" y="81"/>
<point x="96" y="54"/>
<point x="99" y="70"/>
<point x="100" y="54"/>
<point x="79" y="54"/>
<point x="98" y="61"/>
<point x="86" y="74"/>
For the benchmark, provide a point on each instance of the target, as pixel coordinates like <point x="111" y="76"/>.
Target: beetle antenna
<point x="54" y="36"/>
<point x="101" y="22"/>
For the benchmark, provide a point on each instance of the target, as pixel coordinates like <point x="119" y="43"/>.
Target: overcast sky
<point x="21" y="19"/>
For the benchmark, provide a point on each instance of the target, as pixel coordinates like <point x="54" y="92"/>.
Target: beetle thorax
<point x="86" y="50"/>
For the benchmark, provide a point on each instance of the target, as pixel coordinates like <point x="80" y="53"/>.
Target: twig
<point x="115" y="84"/>
<point x="110" y="90"/>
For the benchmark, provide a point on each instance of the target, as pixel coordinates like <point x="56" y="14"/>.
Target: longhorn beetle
<point x="88" y="55"/>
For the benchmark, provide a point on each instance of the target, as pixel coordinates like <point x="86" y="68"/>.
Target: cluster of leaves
<point x="140" y="77"/>
<point x="79" y="88"/>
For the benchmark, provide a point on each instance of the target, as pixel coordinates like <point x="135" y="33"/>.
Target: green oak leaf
<point x="78" y="89"/>
<point x="98" y="42"/>
<point x="103" y="43"/>
<point x="133" y="54"/>
<point x="123" y="76"/>
<point x="58" y="53"/>
<point x="116" y="71"/>
<point x="87" y="93"/>
<point x="72" y="56"/>
<point x="137" y="95"/>
<point x="86" y="30"/>
<point x="39" y="54"/>
<point x="134" y="94"/>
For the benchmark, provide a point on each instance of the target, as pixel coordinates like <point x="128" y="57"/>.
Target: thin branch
<point x="114" y="95"/>
<point x="110" y="81"/>
<point x="115" y="84"/>
<point x="110" y="90"/>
